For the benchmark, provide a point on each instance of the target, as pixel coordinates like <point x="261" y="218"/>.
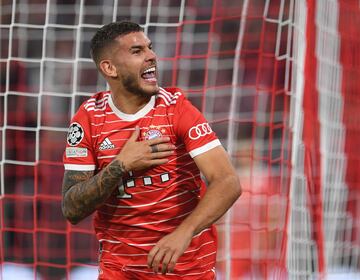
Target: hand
<point x="168" y="250"/>
<point x="138" y="155"/>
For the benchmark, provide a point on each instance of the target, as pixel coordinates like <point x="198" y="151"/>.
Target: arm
<point x="83" y="193"/>
<point x="223" y="190"/>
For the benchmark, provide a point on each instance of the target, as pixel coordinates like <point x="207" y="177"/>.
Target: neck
<point x="129" y="103"/>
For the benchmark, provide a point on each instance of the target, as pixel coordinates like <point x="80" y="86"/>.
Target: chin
<point x="141" y="88"/>
<point x="147" y="92"/>
<point x="151" y="89"/>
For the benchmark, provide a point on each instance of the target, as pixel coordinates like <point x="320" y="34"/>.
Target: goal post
<point x="278" y="82"/>
<point x="324" y="191"/>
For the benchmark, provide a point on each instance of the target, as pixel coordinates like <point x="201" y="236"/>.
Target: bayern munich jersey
<point x="151" y="203"/>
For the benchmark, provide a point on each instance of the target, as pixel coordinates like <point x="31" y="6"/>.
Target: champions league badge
<point x="152" y="134"/>
<point x="75" y="134"/>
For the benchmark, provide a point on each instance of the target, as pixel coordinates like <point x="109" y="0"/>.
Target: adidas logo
<point x="106" y="145"/>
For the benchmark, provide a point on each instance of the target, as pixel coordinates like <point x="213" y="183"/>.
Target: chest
<point x="110" y="135"/>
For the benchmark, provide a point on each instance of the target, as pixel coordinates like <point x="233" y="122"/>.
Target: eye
<point x="137" y="51"/>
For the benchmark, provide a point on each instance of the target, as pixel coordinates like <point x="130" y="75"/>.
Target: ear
<point x="108" y="68"/>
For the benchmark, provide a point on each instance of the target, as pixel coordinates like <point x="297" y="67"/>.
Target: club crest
<point x="152" y="134"/>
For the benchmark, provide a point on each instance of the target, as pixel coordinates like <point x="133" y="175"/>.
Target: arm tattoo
<point x="82" y="192"/>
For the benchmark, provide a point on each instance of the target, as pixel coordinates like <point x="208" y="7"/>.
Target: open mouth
<point x="149" y="74"/>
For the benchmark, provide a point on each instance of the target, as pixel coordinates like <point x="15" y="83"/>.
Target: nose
<point x="150" y="55"/>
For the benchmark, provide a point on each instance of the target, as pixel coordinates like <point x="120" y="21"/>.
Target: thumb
<point x="135" y="134"/>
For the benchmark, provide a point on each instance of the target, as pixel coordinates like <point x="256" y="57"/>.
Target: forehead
<point x="133" y="39"/>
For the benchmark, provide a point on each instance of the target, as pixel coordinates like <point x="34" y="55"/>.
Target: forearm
<point x="219" y="197"/>
<point x="83" y="198"/>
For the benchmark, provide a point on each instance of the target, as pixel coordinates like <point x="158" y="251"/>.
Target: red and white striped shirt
<point x="151" y="203"/>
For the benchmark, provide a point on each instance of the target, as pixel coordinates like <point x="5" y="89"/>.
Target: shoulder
<point x="93" y="109"/>
<point x="170" y="96"/>
<point x="97" y="102"/>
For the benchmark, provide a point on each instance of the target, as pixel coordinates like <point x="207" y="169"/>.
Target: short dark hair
<point x="107" y="34"/>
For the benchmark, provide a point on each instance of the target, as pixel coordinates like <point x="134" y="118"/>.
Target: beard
<point x="132" y="85"/>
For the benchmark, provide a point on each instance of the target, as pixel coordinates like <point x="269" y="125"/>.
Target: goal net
<point x="324" y="210"/>
<point x="277" y="80"/>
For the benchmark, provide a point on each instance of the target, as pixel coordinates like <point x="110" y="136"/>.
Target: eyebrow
<point x="140" y="46"/>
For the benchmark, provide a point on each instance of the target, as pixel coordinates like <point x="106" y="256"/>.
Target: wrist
<point x="122" y="164"/>
<point x="117" y="168"/>
<point x="187" y="229"/>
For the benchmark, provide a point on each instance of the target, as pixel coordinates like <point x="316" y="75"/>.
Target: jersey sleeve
<point x="79" y="154"/>
<point x="193" y="129"/>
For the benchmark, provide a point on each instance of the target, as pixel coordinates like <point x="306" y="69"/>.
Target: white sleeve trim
<point x="80" y="167"/>
<point x="205" y="148"/>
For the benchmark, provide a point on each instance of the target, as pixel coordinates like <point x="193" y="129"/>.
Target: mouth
<point x="149" y="74"/>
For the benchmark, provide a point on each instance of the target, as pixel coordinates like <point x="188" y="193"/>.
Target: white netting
<point x="242" y="63"/>
<point x="323" y="234"/>
<point x="300" y="250"/>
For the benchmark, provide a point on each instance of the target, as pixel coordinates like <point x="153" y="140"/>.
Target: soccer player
<point x="134" y="156"/>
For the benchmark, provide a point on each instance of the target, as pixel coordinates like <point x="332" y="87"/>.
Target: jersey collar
<point x="133" y="117"/>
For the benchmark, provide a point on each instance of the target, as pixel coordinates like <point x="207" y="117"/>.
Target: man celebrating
<point x="134" y="155"/>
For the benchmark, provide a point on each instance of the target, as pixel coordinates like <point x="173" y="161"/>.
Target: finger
<point x="155" y="162"/>
<point x="151" y="256"/>
<point x="161" y="155"/>
<point x="156" y="261"/>
<point x="164" y="147"/>
<point x="154" y="148"/>
<point x="172" y="262"/>
<point x="135" y="134"/>
<point x="158" y="140"/>
<point x="165" y="262"/>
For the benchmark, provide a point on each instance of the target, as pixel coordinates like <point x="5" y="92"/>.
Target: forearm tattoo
<point x="82" y="192"/>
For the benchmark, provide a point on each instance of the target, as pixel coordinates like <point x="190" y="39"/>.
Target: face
<point x="135" y="64"/>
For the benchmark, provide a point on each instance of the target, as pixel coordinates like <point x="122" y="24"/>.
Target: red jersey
<point x="151" y="203"/>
